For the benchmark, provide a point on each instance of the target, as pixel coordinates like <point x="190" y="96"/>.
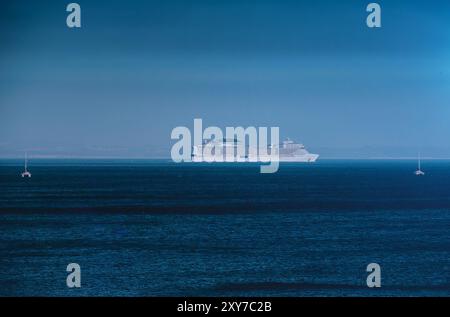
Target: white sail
<point x="25" y="172"/>
<point x="419" y="171"/>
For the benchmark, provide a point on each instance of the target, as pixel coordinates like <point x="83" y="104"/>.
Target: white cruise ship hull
<point x="310" y="158"/>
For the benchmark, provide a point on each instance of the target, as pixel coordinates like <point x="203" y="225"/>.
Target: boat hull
<point x="309" y="158"/>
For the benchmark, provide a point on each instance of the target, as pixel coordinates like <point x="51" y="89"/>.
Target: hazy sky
<point x="137" y="69"/>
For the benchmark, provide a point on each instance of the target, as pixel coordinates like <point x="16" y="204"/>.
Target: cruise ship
<point x="289" y="151"/>
<point x="295" y="152"/>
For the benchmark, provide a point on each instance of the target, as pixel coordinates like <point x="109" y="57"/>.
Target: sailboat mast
<point x="26" y="161"/>
<point x="419" y="161"/>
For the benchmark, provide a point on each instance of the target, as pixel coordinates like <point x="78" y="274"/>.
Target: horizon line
<point x="170" y="159"/>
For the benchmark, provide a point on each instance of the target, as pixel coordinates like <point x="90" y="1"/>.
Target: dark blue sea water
<point x="151" y="228"/>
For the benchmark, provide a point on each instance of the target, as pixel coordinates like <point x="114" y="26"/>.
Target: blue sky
<point x="137" y="69"/>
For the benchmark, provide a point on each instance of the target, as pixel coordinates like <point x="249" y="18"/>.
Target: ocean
<point x="156" y="228"/>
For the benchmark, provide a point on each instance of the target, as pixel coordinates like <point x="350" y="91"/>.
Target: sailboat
<point x="25" y="173"/>
<point x="419" y="172"/>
